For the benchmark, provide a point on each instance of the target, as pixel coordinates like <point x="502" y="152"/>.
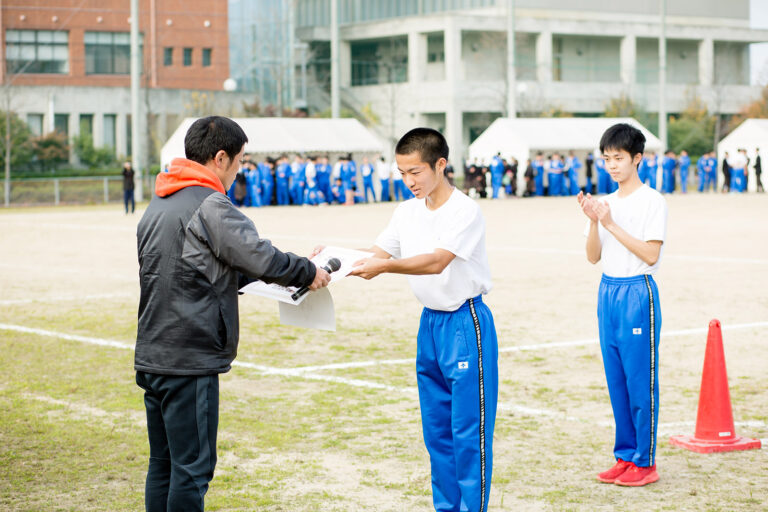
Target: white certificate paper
<point x="314" y="310"/>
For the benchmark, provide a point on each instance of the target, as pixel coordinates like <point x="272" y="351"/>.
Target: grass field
<point x="316" y="421"/>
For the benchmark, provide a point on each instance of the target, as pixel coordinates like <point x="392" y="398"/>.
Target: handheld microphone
<point x="332" y="266"/>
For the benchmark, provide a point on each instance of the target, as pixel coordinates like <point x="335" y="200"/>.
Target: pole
<point x="135" y="105"/>
<point x="511" y="71"/>
<point x="291" y="57"/>
<point x="7" y="146"/>
<point x="335" y="99"/>
<point x="663" y="76"/>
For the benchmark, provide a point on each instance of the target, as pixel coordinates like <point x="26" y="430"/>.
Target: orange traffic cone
<point x="714" y="421"/>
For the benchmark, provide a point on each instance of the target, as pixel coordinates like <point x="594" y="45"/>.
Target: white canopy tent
<point x="750" y="135"/>
<point x="522" y="138"/>
<point x="277" y="135"/>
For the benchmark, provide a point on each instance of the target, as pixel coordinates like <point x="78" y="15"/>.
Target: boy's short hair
<point x="625" y="137"/>
<point x="209" y="135"/>
<point x="428" y="143"/>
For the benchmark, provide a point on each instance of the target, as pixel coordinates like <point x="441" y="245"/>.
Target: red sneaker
<point x="637" y="476"/>
<point x="616" y="471"/>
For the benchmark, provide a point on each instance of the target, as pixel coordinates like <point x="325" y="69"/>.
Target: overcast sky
<point x="759" y="19"/>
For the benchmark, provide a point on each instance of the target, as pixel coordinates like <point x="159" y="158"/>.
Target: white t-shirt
<point x="383" y="170"/>
<point x="457" y="226"/>
<point x="396" y="176"/>
<point x="310" y="171"/>
<point x="642" y="214"/>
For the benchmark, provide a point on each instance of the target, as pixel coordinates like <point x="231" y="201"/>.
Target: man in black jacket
<point x="195" y="251"/>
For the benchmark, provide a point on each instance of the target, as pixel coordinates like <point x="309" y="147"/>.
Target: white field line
<point x="525" y="348"/>
<point x="302" y="373"/>
<point x="134" y="418"/>
<point x="66" y="298"/>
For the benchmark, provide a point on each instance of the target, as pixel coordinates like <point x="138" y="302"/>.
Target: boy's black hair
<point x="623" y="136"/>
<point x="428" y="143"/>
<point x="209" y="135"/>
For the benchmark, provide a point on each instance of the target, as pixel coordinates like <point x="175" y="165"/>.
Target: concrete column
<point x="345" y="64"/>
<point x="74" y="130"/>
<point x="453" y="115"/>
<point x="121" y="135"/>
<point x="417" y="57"/>
<point x="706" y="61"/>
<point x="98" y="129"/>
<point x="628" y="56"/>
<point x="544" y="57"/>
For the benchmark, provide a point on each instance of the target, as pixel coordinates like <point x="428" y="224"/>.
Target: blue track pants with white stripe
<point x="629" y="316"/>
<point x="458" y="378"/>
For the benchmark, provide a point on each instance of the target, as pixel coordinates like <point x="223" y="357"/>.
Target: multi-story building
<point x="67" y="65"/>
<point x="443" y="63"/>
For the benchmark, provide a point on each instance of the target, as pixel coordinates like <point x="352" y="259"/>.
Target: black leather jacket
<point x="195" y="251"/>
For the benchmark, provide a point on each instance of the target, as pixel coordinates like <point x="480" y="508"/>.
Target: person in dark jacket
<point x="128" y="187"/>
<point x="195" y="251"/>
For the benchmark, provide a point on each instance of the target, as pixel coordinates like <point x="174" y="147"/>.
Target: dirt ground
<point x="554" y="428"/>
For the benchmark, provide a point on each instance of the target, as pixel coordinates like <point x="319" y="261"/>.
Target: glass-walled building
<point x="444" y="62"/>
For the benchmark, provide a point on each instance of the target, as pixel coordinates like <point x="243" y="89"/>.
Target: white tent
<point x="276" y="135"/>
<point x="749" y="135"/>
<point x="522" y="138"/>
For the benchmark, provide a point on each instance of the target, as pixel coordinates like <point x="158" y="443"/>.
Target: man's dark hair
<point x="625" y="137"/>
<point x="428" y="143"/>
<point x="209" y="135"/>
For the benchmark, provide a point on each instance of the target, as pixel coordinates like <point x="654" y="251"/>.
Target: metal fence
<point x="75" y="190"/>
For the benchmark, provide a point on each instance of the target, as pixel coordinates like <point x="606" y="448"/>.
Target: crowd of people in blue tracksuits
<point x="312" y="180"/>
<point x="557" y="176"/>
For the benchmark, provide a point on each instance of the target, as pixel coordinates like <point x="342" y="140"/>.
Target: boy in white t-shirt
<point x="438" y="240"/>
<point x="626" y="231"/>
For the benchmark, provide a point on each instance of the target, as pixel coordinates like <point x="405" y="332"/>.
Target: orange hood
<point x="185" y="173"/>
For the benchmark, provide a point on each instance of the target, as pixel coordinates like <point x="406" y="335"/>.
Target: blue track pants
<point x="457" y="373"/>
<point x="629" y="317"/>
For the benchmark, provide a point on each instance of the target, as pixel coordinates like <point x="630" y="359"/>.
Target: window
<point x="206" y="57"/>
<point x="108" y="53"/>
<point x="86" y="124"/>
<point x="37" y="51"/>
<point x="61" y="123"/>
<point x="168" y="57"/>
<point x="110" y="125"/>
<point x="35" y="123"/>
<point x="187" y="56"/>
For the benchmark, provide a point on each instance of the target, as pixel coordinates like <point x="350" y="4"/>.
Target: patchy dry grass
<point x="72" y="434"/>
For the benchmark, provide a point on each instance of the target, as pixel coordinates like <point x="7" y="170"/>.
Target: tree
<point x="756" y="109"/>
<point x="88" y="154"/>
<point x="20" y="139"/>
<point x="693" y="130"/>
<point x="623" y="106"/>
<point x="51" y="150"/>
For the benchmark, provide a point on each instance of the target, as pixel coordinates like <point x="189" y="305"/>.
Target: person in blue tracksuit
<point x="383" y="170"/>
<point x="538" y="167"/>
<point x="643" y="168"/>
<point x="366" y="171"/>
<point x="626" y="231"/>
<point x="668" y="166"/>
<point x="650" y="168"/>
<point x="573" y="164"/>
<point x="253" y="178"/>
<point x="603" y="179"/>
<point x="555" y="175"/>
<point x="685" y="163"/>
<point x="267" y="171"/>
<point x="313" y="196"/>
<point x="338" y="194"/>
<point x="701" y="170"/>
<point x="298" y="180"/>
<point x="438" y="240"/>
<point x="497" y="174"/>
<point x="323" y="177"/>
<point x="712" y="166"/>
<point x="282" y="181"/>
